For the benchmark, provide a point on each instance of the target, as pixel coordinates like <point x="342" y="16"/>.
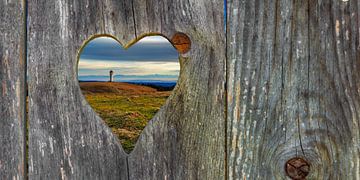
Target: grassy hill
<point x="125" y="108"/>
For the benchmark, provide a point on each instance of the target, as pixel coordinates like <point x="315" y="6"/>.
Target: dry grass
<point x="125" y="108"/>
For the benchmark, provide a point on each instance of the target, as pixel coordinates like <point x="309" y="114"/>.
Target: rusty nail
<point x="181" y="42"/>
<point x="297" y="168"/>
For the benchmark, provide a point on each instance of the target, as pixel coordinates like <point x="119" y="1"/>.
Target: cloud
<point x="149" y="49"/>
<point x="154" y="39"/>
<point x="90" y="67"/>
<point x="149" y="56"/>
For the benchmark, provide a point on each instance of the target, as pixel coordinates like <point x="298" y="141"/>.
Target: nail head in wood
<point x="181" y="42"/>
<point x="297" y="168"/>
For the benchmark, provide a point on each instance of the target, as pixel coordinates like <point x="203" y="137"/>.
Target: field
<point x="125" y="108"/>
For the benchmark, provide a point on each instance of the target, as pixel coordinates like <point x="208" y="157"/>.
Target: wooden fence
<point x="282" y="82"/>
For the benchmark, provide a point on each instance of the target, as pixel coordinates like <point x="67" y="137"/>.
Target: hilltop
<point x="125" y="108"/>
<point x="115" y="88"/>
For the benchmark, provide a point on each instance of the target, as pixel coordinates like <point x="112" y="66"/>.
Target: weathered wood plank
<point x="186" y="138"/>
<point x="293" y="88"/>
<point x="67" y="138"/>
<point x="12" y="89"/>
<point x="164" y="150"/>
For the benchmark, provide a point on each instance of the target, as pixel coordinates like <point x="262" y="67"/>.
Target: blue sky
<point x="149" y="56"/>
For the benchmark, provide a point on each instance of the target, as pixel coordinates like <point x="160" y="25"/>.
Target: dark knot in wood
<point x="297" y="168"/>
<point x="181" y="42"/>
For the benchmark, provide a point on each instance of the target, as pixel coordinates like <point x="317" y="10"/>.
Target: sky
<point x="151" y="58"/>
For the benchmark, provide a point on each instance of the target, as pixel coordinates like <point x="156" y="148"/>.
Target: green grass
<point x="128" y="115"/>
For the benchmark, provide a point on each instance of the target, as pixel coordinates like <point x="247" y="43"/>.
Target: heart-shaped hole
<point x="126" y="87"/>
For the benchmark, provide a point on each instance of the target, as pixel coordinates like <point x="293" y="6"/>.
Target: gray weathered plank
<point x="67" y="138"/>
<point x="12" y="89"/>
<point x="186" y="138"/>
<point x="293" y="88"/>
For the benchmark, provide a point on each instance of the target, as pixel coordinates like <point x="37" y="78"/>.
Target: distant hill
<point x="160" y="86"/>
<point x="151" y="76"/>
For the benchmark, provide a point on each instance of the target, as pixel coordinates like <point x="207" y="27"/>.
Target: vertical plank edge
<point x="12" y="88"/>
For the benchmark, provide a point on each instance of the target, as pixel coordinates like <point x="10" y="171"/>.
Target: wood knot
<point x="181" y="42"/>
<point x="297" y="168"/>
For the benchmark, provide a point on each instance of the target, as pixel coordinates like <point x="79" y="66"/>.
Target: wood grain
<point x="293" y="88"/>
<point x="68" y="140"/>
<point x="185" y="140"/>
<point x="12" y="90"/>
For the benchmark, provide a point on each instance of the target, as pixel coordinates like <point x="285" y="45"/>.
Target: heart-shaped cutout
<point x="126" y="87"/>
